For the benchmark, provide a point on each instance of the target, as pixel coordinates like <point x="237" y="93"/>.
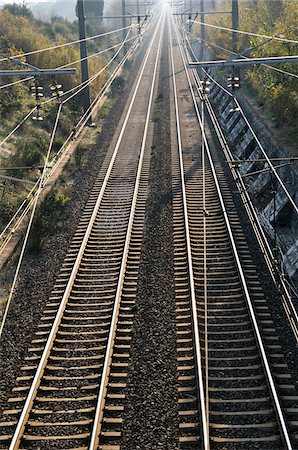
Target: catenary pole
<point x="235" y="24"/>
<point x="124" y="25"/>
<point x="202" y="16"/>
<point x="83" y="55"/>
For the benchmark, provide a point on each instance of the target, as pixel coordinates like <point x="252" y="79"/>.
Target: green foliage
<point x="157" y="108"/>
<point x="24" y="34"/>
<point x="80" y="155"/>
<point x="16" y="9"/>
<point x="48" y="218"/>
<point x="276" y="91"/>
<point x="118" y="85"/>
<point x="21" y="33"/>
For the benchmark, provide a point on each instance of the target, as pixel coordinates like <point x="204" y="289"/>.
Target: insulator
<point x="56" y="86"/>
<point x="234" y="110"/>
<point x="57" y="94"/>
<point x="37" y="118"/>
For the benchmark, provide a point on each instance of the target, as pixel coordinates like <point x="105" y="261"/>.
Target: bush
<point x="277" y="91"/>
<point x="48" y="218"/>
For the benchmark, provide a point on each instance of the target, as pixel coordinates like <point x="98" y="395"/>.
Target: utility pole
<point x="139" y="18"/>
<point x="235" y="24"/>
<point x="202" y="20"/>
<point x="84" y="60"/>
<point x="124" y="25"/>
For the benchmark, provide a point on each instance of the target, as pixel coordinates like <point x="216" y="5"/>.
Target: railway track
<point x="235" y="388"/>
<point x="70" y="393"/>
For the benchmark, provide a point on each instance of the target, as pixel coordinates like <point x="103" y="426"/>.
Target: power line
<point x="16" y="82"/>
<point x="91" y="56"/>
<point x="276" y="38"/>
<point x="67" y="92"/>
<point x="285" y="72"/>
<point x="18" y="126"/>
<point x="62" y="45"/>
<point x="65" y="65"/>
<point x="41" y="181"/>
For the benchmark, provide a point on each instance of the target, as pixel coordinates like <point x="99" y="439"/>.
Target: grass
<point x="156" y="116"/>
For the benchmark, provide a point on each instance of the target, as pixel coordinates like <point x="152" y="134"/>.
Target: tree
<point x="16" y="9"/>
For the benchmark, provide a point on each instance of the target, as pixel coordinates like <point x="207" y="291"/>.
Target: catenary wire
<point x="276" y="38"/>
<point x="84" y="84"/>
<point x="40" y="186"/>
<point x="54" y="47"/>
<point x="16" y="82"/>
<point x="61" y="67"/>
<point x="285" y="72"/>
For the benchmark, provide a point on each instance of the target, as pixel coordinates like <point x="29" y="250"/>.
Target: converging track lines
<point x="73" y="383"/>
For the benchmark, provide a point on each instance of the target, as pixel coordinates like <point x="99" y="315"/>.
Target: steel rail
<point x="205" y="271"/>
<point x="110" y="345"/>
<point x="275" y="398"/>
<point x="287" y="302"/>
<point x="15" y="442"/>
<point x="197" y="343"/>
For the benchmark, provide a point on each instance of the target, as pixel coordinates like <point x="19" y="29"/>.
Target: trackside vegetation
<point x="277" y="92"/>
<point x="20" y="33"/>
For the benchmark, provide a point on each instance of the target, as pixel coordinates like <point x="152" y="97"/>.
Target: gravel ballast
<point x="151" y="415"/>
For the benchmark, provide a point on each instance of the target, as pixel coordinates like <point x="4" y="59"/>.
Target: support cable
<point x="285" y="72"/>
<point x="54" y="47"/>
<point x="18" y="126"/>
<point x="81" y="85"/>
<point x="39" y="189"/>
<point x="40" y="184"/>
<point x="16" y="82"/>
<point x="295" y="206"/>
<point x="276" y="38"/>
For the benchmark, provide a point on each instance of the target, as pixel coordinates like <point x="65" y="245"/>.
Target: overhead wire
<point x="65" y="44"/>
<point x="61" y="67"/>
<point x="273" y="37"/>
<point x="83" y="84"/>
<point x="285" y="72"/>
<point x="268" y="160"/>
<point x="18" y="126"/>
<point x="16" y="82"/>
<point x="39" y="189"/>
